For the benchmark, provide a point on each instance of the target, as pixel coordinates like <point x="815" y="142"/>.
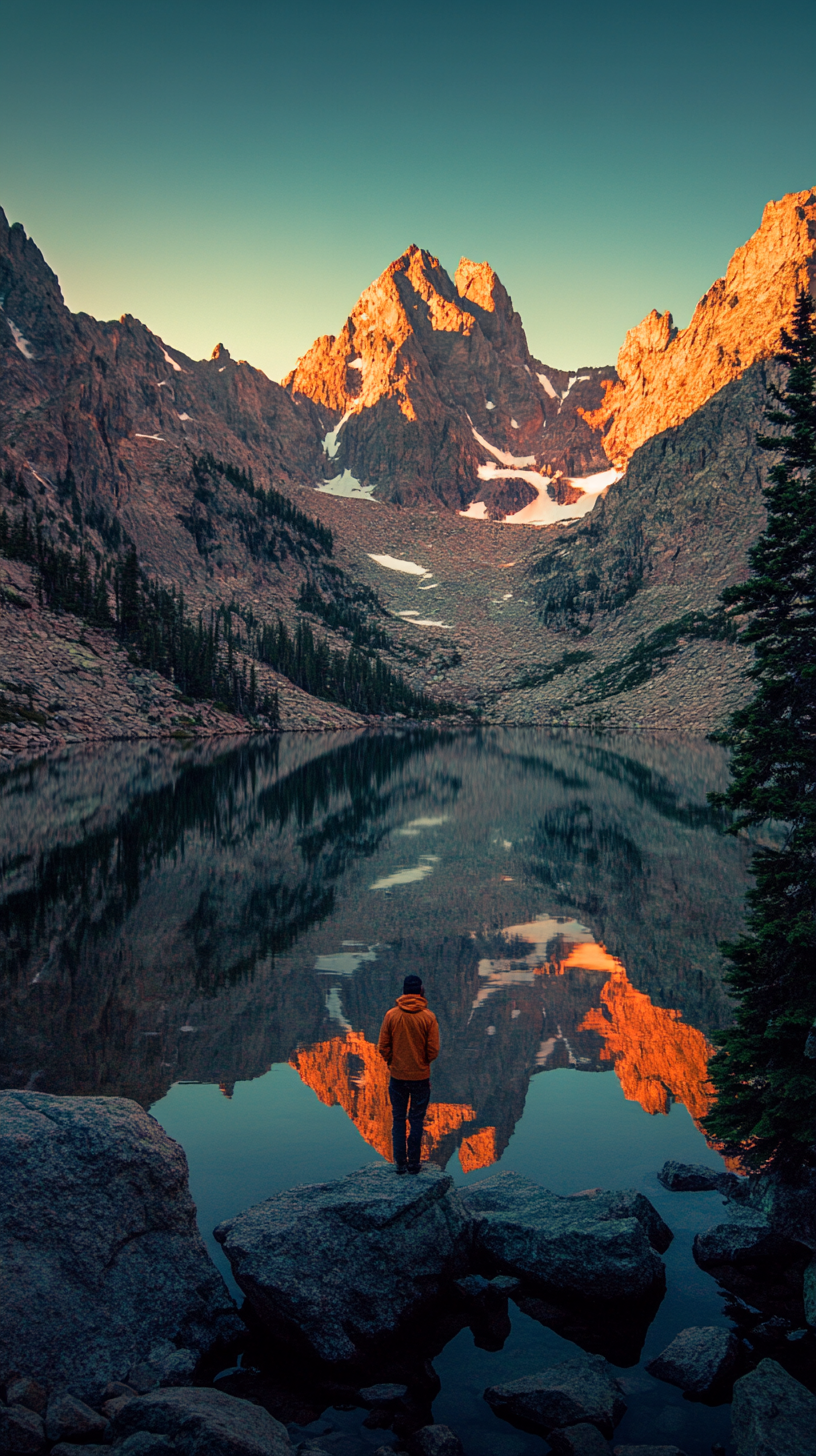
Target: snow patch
<point x="407" y="876"/>
<point x="346" y="485"/>
<point x="432" y="585"/>
<point x="345" y="963"/>
<point x="395" y="563"/>
<point x="547" y="387"/>
<point x="172" y="362"/>
<point x="489" y="404"/>
<point x="543" y="511"/>
<point x="515" y="424"/>
<point x="140" y="436"/>
<point x="574" y="379"/>
<point x="185" y="417"/>
<point x="416" y="621"/>
<point x="223" y="367"/>
<point x="331" y="443"/>
<point x="20" y="340"/>
<point x="355" y="364"/>
<point x="503" y="455"/>
<point x="476" y="511"/>
<point x="335" y="1009"/>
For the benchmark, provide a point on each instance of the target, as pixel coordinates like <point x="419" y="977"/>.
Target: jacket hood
<point x="411" y="1002"/>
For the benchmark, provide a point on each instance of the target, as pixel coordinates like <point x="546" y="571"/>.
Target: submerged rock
<point x="600" y="1245"/>
<point x="574" y="1391"/>
<point x="773" y="1414"/>
<point x="202" y="1422"/>
<point x="696" y="1359"/>
<point x="344" y="1264"/>
<point x="101" y="1254"/>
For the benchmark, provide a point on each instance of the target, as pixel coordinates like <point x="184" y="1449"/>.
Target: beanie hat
<point x="412" y="986"/>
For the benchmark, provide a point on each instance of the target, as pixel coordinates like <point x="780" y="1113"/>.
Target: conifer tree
<point x="765" y="1071"/>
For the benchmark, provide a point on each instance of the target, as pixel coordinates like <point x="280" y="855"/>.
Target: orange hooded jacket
<point x="409" y="1039"/>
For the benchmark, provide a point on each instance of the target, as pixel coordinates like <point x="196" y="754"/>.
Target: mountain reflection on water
<point x="174" y="913"/>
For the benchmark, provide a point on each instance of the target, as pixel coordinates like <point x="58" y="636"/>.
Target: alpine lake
<point x="217" y="929"/>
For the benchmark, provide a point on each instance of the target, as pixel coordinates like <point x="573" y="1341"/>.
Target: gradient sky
<point x="239" y="172"/>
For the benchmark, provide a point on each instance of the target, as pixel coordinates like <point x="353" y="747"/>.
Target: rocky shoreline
<point x="119" y="1330"/>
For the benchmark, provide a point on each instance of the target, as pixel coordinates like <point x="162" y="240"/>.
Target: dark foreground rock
<point x="773" y="1414"/>
<point x="21" y="1431"/>
<point x="697" y="1178"/>
<point x="599" y="1245"/>
<point x="343" y="1264"/>
<point x="69" y="1419"/>
<point x="579" y="1390"/>
<point x="647" y="1451"/>
<point x="749" y="1239"/>
<point x="201" y="1422"/>
<point x="697" y="1359"/>
<point x="580" y="1440"/>
<point x="810" y="1292"/>
<point x="100" y="1254"/>
<point x="434" y="1441"/>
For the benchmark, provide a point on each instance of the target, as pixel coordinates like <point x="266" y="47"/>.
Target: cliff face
<point x="664" y="375"/>
<point x="431" y="379"/>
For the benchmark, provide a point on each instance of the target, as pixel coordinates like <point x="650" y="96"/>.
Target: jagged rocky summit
<point x="431" y="388"/>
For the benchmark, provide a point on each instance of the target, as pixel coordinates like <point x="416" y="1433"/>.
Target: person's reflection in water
<point x="409" y="1042"/>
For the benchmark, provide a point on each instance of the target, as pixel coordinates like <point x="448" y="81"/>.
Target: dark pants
<point x="418" y="1094"/>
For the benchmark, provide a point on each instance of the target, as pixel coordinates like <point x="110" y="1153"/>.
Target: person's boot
<point x="401" y="1168"/>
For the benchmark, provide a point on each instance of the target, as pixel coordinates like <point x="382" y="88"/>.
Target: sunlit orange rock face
<point x="655" y="1053"/>
<point x="333" y="1070"/>
<point x="664" y="375"/>
<point x="478" y="1150"/>
<point x="422" y="361"/>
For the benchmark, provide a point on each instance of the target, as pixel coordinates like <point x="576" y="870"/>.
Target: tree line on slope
<point x="765" y="1071"/>
<point x="207" y="659"/>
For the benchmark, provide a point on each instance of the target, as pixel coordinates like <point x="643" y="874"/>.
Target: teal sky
<point x="240" y="172"/>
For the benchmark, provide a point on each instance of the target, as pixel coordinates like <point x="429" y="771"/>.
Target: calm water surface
<point x="217" y="931"/>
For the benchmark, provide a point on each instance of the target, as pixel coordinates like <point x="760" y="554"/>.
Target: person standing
<point x="409" y="1042"/>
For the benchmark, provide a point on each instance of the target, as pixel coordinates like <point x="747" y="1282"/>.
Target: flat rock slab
<point x="599" y="1245"/>
<point x="697" y="1178"/>
<point x="204" y="1422"/>
<point x="773" y="1414"/>
<point x="69" y="1419"/>
<point x="344" y="1264"/>
<point x="574" y="1391"/>
<point x="696" y="1359"/>
<point x="99" y="1246"/>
